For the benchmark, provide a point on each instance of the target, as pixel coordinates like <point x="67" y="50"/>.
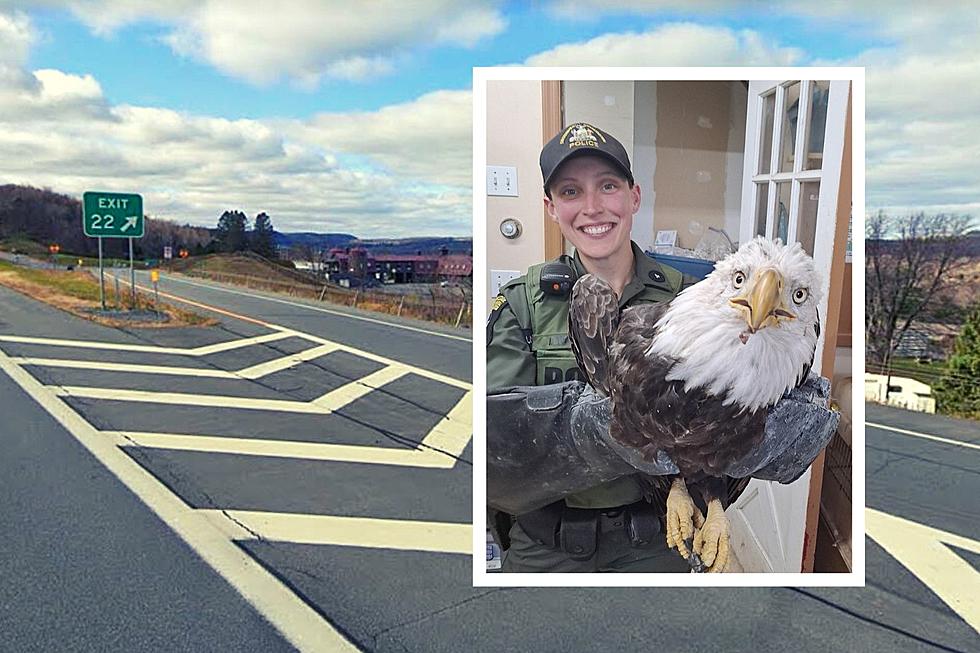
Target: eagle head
<point x="748" y="331"/>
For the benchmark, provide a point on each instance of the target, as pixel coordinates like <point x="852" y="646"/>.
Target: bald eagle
<point x="695" y="378"/>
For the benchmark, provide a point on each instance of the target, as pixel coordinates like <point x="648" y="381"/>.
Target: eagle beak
<point x="762" y="301"/>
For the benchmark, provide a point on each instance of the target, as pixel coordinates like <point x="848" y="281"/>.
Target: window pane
<point x="807" y="230"/>
<point x="761" y="200"/>
<point x="791" y="117"/>
<point x="783" y="191"/>
<point x="816" y="126"/>
<point x="768" y="116"/>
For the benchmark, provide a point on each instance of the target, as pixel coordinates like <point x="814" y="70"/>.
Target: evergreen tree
<point x="231" y="231"/>
<point x="958" y="391"/>
<point x="262" y="240"/>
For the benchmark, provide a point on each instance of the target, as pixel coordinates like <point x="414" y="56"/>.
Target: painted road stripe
<point x="327" y="347"/>
<point x="306" y="306"/>
<point x="102" y="366"/>
<point x="186" y="399"/>
<point x="250" y="373"/>
<point x="324" y="405"/>
<point x="350" y="392"/>
<point x="936" y="438"/>
<point x="923" y="551"/>
<point x="203" y="350"/>
<point x="401" y="534"/>
<point x="287" y="449"/>
<point x="292" y="617"/>
<point x="439" y="449"/>
<point x="418" y="371"/>
<point x="454" y="431"/>
<point x="279" y="364"/>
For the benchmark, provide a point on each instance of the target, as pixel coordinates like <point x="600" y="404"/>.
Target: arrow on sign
<point x="130" y="222"/>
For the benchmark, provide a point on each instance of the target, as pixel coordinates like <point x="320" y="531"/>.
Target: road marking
<point x="279" y="364"/>
<point x="439" y="449"/>
<point x="287" y="449"/>
<point x="203" y="350"/>
<point x="306" y="306"/>
<point x="418" y="371"/>
<point x="453" y="432"/>
<point x="400" y="534"/>
<point x="958" y="443"/>
<point x="102" y="366"/>
<point x="186" y="399"/>
<point x="350" y="392"/>
<point x="921" y="549"/>
<point x="286" y="611"/>
<point x="327" y="346"/>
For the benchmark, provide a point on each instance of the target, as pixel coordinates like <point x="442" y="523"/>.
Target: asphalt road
<point x="403" y="592"/>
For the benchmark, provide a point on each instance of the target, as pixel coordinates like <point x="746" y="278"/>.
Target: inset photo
<point x="664" y="257"/>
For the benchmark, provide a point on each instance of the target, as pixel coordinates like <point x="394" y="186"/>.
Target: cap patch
<point x="581" y="134"/>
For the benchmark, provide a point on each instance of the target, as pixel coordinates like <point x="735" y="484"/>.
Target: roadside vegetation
<point x="77" y="292"/>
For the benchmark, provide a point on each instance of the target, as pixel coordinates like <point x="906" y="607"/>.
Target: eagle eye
<point x="738" y="280"/>
<point x="800" y="295"/>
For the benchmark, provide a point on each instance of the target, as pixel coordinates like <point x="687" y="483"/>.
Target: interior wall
<point x="645" y="161"/>
<point x="700" y="144"/>
<point x="514" y="138"/>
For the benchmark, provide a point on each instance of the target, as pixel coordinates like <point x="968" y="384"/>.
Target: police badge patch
<point x="495" y="309"/>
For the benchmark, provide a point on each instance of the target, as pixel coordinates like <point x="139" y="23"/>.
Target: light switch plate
<point x="499" y="277"/>
<point x="502" y="181"/>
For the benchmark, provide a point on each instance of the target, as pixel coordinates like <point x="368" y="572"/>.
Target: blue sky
<point x="185" y="84"/>
<point x="319" y="112"/>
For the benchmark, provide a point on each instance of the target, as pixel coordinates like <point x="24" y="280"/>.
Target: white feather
<point x="700" y="330"/>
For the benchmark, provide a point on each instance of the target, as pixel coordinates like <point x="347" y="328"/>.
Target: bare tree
<point x="909" y="262"/>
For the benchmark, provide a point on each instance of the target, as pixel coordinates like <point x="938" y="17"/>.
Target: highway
<point x="299" y="477"/>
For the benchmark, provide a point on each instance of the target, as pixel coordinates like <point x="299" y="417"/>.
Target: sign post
<point x="113" y="215"/>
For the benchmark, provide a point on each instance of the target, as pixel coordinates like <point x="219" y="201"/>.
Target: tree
<point x="910" y="261"/>
<point x="958" y="391"/>
<point x="262" y="238"/>
<point x="231" y="232"/>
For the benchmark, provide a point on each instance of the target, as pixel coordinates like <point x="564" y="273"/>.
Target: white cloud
<point x="16" y="38"/>
<point x="426" y="139"/>
<point x="303" y="40"/>
<point x="674" y="44"/>
<point x="401" y="170"/>
<point x="922" y="97"/>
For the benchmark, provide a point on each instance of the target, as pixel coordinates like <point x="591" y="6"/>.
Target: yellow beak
<point x="762" y="301"/>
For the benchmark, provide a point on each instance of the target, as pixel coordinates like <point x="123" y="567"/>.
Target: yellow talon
<point x="711" y="541"/>
<point x="682" y="517"/>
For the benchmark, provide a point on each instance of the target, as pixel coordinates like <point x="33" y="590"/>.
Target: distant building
<point x="901" y="391"/>
<point x="357" y="266"/>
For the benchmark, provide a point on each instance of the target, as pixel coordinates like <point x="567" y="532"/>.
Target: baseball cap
<point x="582" y="138"/>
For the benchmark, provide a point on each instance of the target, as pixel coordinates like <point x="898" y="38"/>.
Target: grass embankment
<point x="78" y="293"/>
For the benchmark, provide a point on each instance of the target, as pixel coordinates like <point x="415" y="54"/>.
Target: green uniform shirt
<point x="527" y="344"/>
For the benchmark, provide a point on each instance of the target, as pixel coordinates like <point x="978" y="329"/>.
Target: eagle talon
<point x="682" y="518"/>
<point x="711" y="541"/>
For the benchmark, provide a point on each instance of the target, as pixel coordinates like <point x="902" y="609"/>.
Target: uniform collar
<point x="647" y="273"/>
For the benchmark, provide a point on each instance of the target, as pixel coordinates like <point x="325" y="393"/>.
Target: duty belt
<point x="576" y="530"/>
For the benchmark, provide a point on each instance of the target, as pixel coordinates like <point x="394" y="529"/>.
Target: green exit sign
<point x="112" y="215"/>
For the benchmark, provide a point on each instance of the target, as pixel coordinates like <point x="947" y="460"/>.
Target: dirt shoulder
<point x="77" y="292"/>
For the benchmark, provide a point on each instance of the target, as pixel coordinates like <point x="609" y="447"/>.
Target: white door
<point x="794" y="140"/>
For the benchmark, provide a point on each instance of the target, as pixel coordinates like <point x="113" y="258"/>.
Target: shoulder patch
<point x="495" y="309"/>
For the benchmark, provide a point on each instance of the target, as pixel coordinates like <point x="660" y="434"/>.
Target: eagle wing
<point x="593" y="315"/>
